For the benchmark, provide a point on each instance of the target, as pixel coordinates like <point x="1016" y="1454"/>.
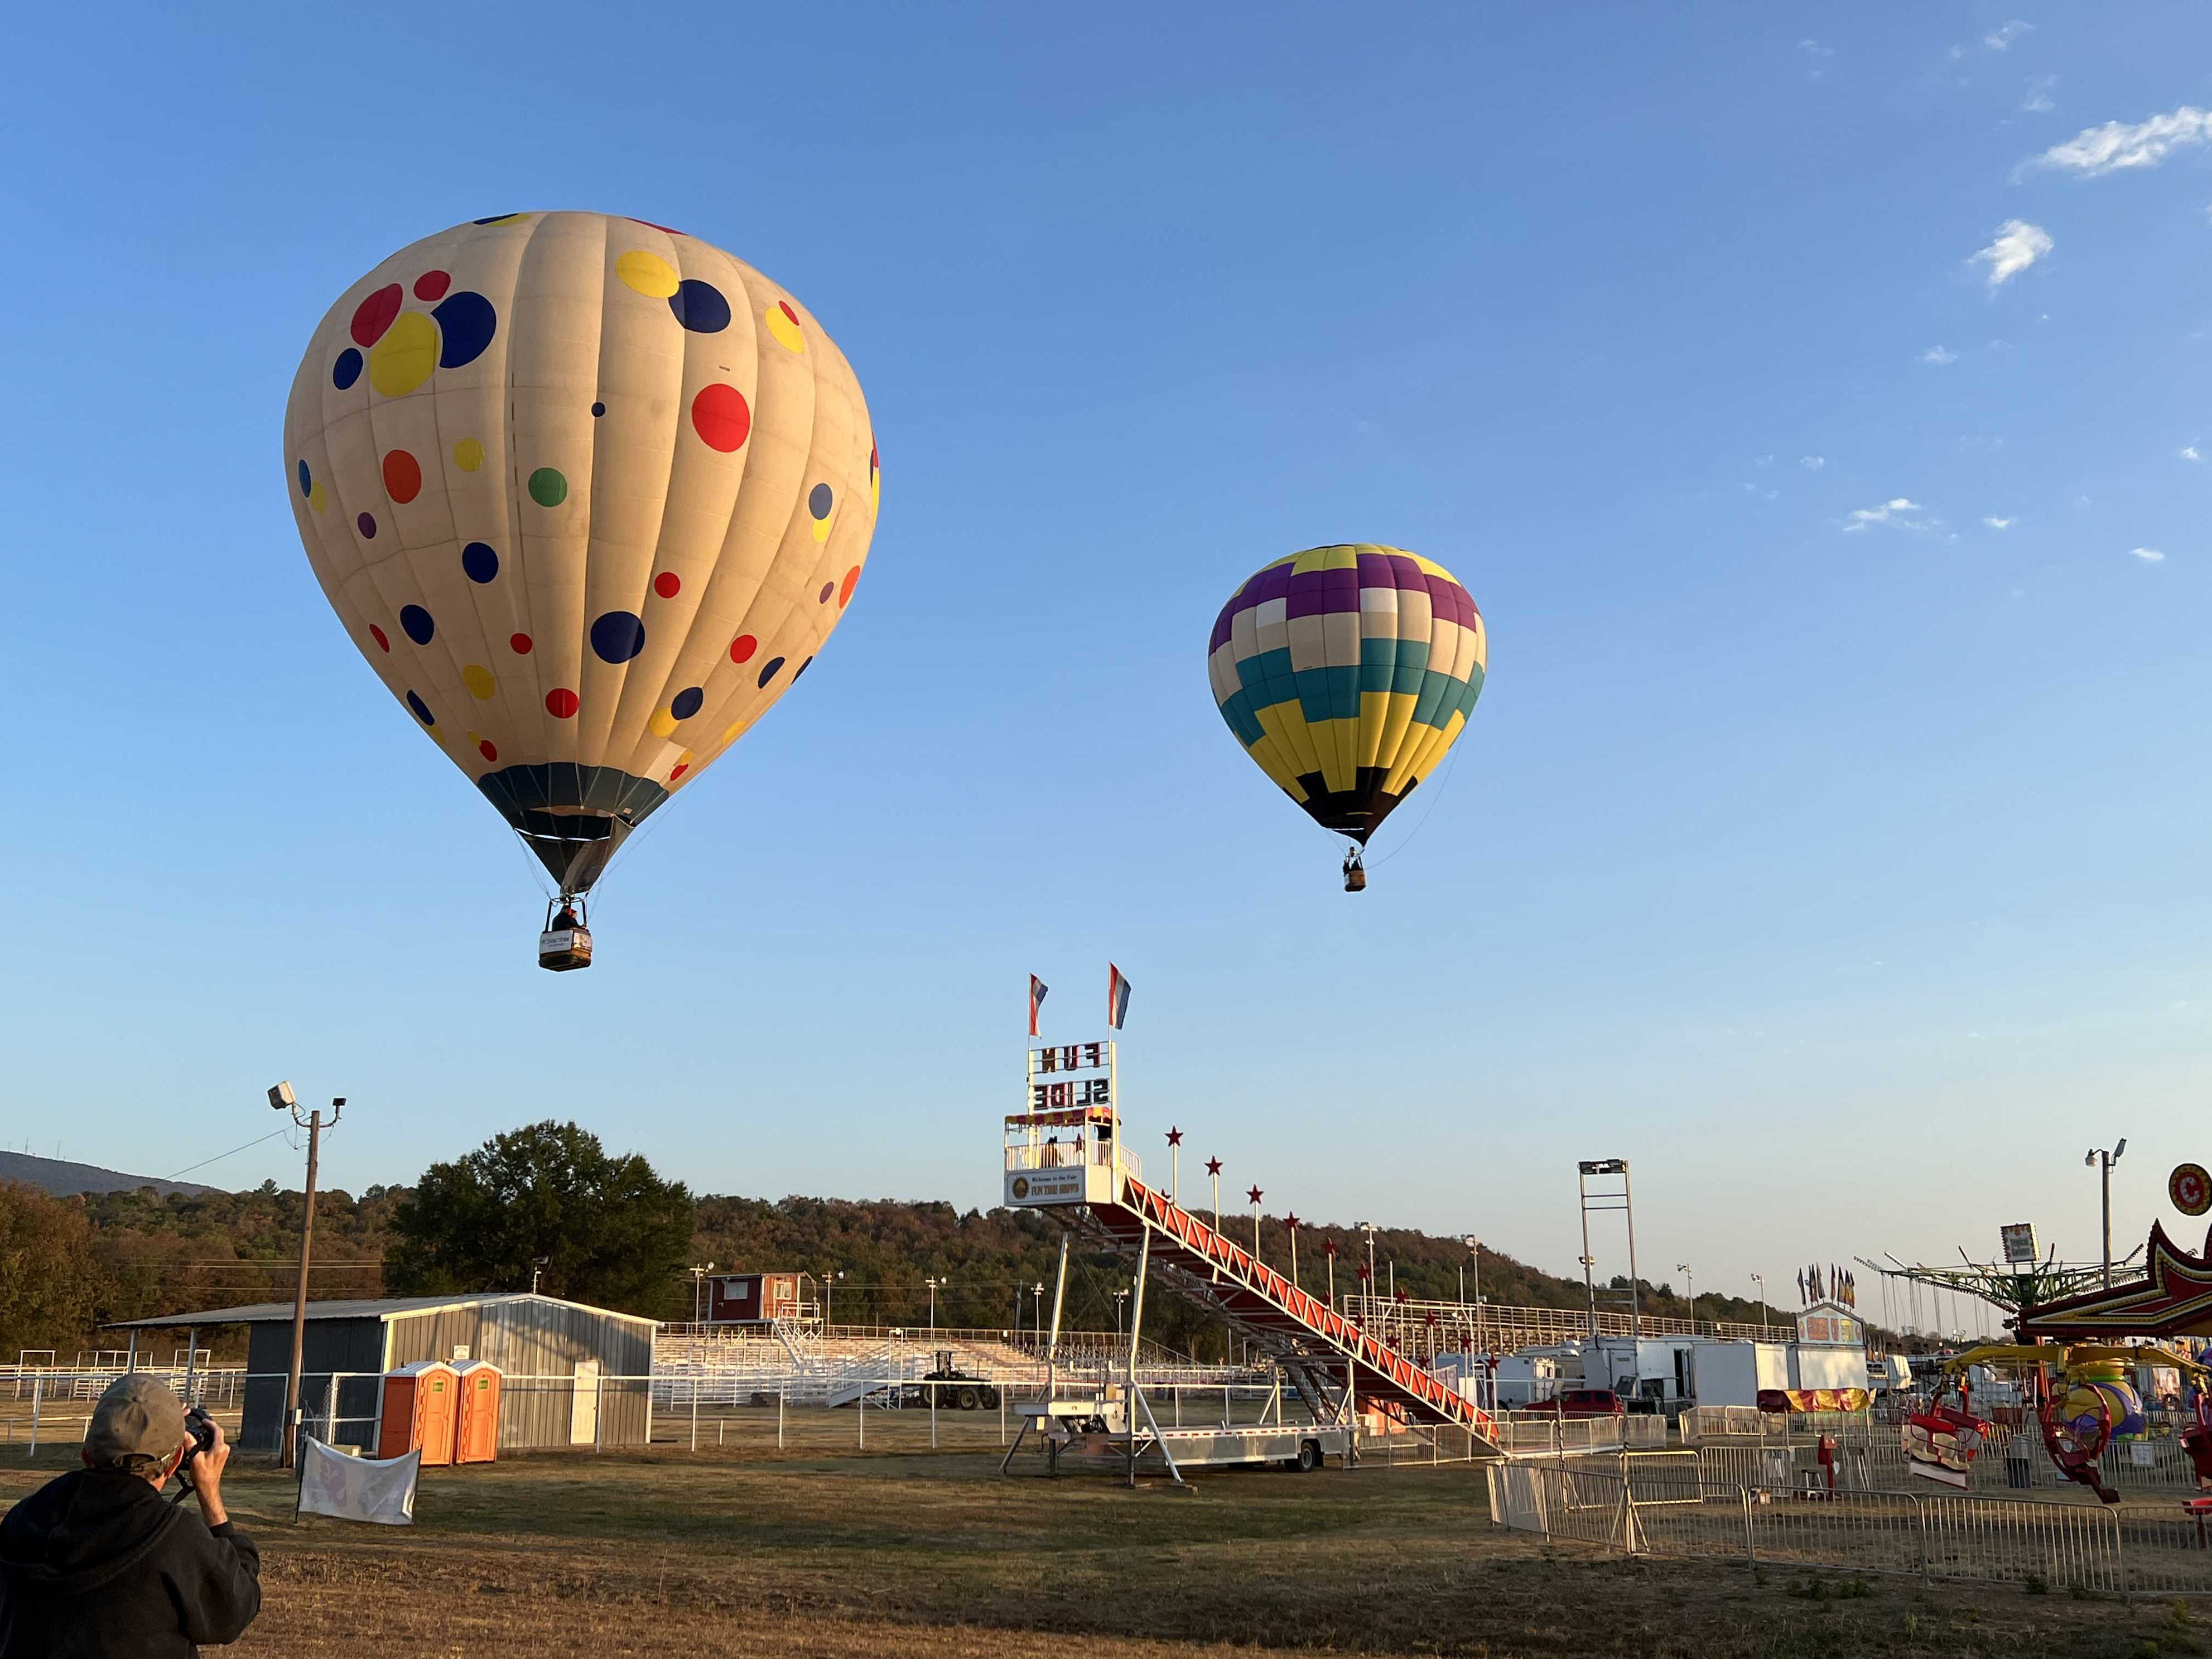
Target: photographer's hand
<point x="206" y="1471"/>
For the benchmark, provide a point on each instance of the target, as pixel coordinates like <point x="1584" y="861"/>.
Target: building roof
<point x="383" y="1309"/>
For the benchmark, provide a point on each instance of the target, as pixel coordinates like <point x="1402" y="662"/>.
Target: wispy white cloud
<point x="1811" y="463"/>
<point x="2001" y="523"/>
<point x="2147" y="554"/>
<point x="2037" y="99"/>
<point x="1897" y="512"/>
<point x="2016" y="246"/>
<point x="2000" y="38"/>
<point x="1936" y="354"/>
<point x="1818" y="57"/>
<point x="1762" y="460"/>
<point x="2115" y="145"/>
<point x="2189" y="453"/>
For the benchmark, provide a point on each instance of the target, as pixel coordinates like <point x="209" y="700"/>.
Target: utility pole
<point x="1691" y="1279"/>
<point x="1623" y="1202"/>
<point x="281" y="1098"/>
<point x="2107" y="1160"/>
<point x="1760" y="1279"/>
<point x="698" y="1291"/>
<point x="932" y="1284"/>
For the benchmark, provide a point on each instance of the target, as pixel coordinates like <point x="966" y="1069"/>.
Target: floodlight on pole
<point x="1691" y="1279"/>
<point x="2094" y="1158"/>
<point x="284" y="1098"/>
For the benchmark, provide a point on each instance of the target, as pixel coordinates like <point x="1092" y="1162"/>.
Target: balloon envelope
<point x="588" y="494"/>
<point x="1348" y="673"/>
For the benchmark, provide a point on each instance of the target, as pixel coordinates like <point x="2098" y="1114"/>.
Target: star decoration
<point x="1175" y="1137"/>
<point x="1328" y="1245"/>
<point x="1255" y="1194"/>
<point x="1213" y="1166"/>
<point x="1291" y="1221"/>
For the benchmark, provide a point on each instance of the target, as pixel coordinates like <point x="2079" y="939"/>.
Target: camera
<point x="201" y="1427"/>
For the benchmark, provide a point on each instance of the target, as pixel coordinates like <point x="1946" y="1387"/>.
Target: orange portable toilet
<point x="477" y="1439"/>
<point x="422" y="1404"/>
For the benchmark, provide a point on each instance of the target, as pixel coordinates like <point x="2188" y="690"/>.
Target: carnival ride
<point x="588" y="494"/>
<point x="1094" y="1188"/>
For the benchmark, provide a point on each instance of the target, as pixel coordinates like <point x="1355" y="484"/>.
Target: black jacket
<point x="99" y="1566"/>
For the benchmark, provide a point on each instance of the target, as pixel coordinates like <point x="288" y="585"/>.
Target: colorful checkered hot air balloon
<point x="588" y="494"/>
<point x="1348" y="673"/>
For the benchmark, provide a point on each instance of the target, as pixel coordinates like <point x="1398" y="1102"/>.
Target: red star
<point x="1255" y="1194"/>
<point x="1291" y="1221"/>
<point x="1213" y="1166"/>
<point x="1175" y="1137"/>
<point x="1432" y="1320"/>
<point x="1403" y="1298"/>
<point x="1364" y="1274"/>
<point x="1328" y="1245"/>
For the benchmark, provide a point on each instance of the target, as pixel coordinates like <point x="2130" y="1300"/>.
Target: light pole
<point x="1036" y="1310"/>
<point x="698" y="1291"/>
<point x="1691" y="1279"/>
<point x="283" y="1100"/>
<point x="1119" y="1297"/>
<point x="1760" y="1279"/>
<point x="932" y="1284"/>
<point x="2105" y="1176"/>
<point x="539" y="1264"/>
<point x="1474" y="1252"/>
<point x="830" y="1279"/>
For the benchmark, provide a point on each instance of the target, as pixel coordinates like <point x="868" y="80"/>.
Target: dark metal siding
<point x="329" y="1346"/>
<point x="537" y="1345"/>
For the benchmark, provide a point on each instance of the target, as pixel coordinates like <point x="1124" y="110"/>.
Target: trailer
<point x="1094" y="1428"/>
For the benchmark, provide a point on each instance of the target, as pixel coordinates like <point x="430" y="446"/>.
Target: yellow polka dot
<point x="663" y="723"/>
<point x="319" y="498"/>
<point x="403" y="358"/>
<point x="468" y="454"/>
<point x="479" y="681"/>
<point x="648" y="273"/>
<point x="503" y="219"/>
<point x="735" y="732"/>
<point x="785" y="331"/>
<point x="821" y="529"/>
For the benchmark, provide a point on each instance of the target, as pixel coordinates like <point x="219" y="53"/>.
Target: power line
<point x="233" y="1152"/>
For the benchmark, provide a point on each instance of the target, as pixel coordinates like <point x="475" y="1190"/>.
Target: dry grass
<point x="933" y="1555"/>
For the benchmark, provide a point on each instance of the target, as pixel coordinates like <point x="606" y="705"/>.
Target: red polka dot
<point x="649" y="225"/>
<point x="519" y="644"/>
<point x="376" y="313"/>
<point x="402" y="476"/>
<point x="845" y="588"/>
<point x="720" y="416"/>
<point x="828" y="588"/>
<point x="667" y="584"/>
<point x="432" y="285"/>
<point x="677" y="772"/>
<point x="784" y="305"/>
<point x="742" y="646"/>
<point x="377" y="634"/>
<point x="561" y="703"/>
<point x="488" y="751"/>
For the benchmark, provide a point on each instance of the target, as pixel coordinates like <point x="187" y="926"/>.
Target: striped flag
<point x="1036" y="1001"/>
<point x="1117" y="996"/>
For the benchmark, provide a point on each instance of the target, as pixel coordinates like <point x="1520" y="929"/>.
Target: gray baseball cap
<point x="137" y="1416"/>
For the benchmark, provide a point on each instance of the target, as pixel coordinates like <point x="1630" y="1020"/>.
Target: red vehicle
<point x="1582" y="1402"/>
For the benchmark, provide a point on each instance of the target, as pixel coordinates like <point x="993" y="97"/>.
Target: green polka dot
<point x="548" y="488"/>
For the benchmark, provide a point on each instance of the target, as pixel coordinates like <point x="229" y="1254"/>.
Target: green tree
<point x="49" y="1285"/>
<point x="608" y="1230"/>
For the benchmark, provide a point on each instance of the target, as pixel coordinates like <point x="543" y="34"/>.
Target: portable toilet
<point x="476" y="1438"/>
<point x="421" y="1402"/>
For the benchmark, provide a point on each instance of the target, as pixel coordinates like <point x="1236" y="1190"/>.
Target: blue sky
<point x="1812" y="401"/>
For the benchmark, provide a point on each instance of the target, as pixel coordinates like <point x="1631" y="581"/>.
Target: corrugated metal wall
<point x="545" y="1340"/>
<point x="330" y="1345"/>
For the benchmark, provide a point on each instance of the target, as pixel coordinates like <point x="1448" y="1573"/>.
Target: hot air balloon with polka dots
<point x="1348" y="673"/>
<point x="588" y="494"/>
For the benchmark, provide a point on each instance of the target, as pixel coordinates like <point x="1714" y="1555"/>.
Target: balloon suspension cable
<point x="1451" y="765"/>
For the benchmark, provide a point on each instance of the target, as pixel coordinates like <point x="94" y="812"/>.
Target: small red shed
<point x="476" y="1440"/>
<point x="422" y="1409"/>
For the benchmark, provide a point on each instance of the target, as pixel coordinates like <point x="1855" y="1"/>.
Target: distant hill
<point x="52" y="1175"/>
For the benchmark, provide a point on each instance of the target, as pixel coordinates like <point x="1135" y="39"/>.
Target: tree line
<point x="547" y="1203"/>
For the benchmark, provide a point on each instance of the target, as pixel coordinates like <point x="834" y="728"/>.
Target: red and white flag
<point x="1117" y="996"/>
<point x="1036" y="1001"/>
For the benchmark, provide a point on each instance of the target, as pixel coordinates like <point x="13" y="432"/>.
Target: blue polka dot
<point x="686" y="702"/>
<point x="367" y="525"/>
<point x="598" y="409"/>
<point x="617" y="637"/>
<point x="466" y="323"/>
<point x="497" y="218"/>
<point x="346" y="370"/>
<point x="422" y="709"/>
<point x="818" y="500"/>
<point x="803" y="668"/>
<point x="767" y="672"/>
<point x="416" y="622"/>
<point x="699" y="307"/>
<point x="306" y="483"/>
<point x="479" y="563"/>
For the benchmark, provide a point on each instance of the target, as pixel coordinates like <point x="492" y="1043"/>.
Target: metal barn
<point x="576" y="1375"/>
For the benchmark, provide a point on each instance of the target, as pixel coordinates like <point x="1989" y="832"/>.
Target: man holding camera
<point x="97" y="1563"/>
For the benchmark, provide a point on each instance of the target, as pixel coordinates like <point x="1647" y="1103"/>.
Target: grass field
<point x="816" y="1551"/>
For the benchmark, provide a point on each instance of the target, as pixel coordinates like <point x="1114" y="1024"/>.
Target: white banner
<point x="349" y="1488"/>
